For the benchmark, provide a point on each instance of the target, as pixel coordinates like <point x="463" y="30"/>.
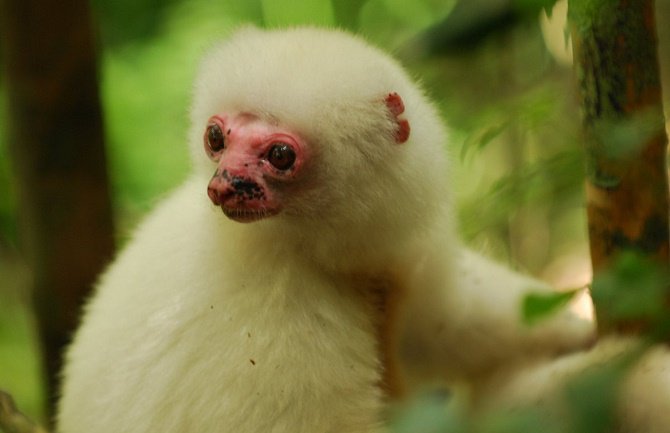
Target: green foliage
<point x="123" y="21"/>
<point x="555" y="178"/>
<point x="619" y="139"/>
<point x="528" y="112"/>
<point x="428" y="413"/>
<point x="532" y="121"/>
<point x="522" y="421"/>
<point x="146" y="128"/>
<point x="634" y="288"/>
<point x="626" y="138"/>
<point x="538" y="306"/>
<point x="289" y="12"/>
<point x="591" y="396"/>
<point x="394" y="22"/>
<point x="433" y="414"/>
<point x="468" y="24"/>
<point x="586" y="14"/>
<point x="19" y="354"/>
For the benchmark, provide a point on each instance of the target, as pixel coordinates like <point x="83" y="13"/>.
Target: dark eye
<point x="214" y="137"/>
<point x="281" y="156"/>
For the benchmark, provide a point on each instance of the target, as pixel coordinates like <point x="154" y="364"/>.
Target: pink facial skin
<point x="250" y="152"/>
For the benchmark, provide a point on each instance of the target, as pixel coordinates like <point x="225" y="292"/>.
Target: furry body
<point x="180" y="354"/>
<point x="310" y="320"/>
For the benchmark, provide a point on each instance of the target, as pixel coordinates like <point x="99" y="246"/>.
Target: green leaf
<point x="428" y="413"/>
<point x="633" y="288"/>
<point x="538" y="306"/>
<point x="592" y="395"/>
<point x="627" y="138"/>
<point x="480" y="138"/>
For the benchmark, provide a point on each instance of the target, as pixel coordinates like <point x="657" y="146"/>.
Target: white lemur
<point x="331" y="282"/>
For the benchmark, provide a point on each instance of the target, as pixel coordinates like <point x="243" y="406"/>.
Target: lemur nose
<point x="242" y="184"/>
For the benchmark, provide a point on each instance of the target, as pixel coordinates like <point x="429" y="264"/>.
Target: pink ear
<point x="397" y="107"/>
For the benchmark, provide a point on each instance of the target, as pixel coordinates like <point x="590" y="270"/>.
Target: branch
<point x="616" y="64"/>
<point x="13" y="421"/>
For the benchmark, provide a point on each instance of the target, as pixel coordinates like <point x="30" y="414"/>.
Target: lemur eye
<point x="281" y="156"/>
<point x="215" y="139"/>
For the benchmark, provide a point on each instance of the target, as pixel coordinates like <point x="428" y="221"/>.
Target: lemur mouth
<point x="242" y="215"/>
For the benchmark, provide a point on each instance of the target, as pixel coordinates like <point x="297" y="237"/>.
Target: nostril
<point x="236" y="182"/>
<point x="218" y="194"/>
<point x="241" y="184"/>
<point x="221" y="189"/>
<point x="213" y="195"/>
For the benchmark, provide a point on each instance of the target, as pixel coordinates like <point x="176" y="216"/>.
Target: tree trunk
<point x="616" y="63"/>
<point x="57" y="147"/>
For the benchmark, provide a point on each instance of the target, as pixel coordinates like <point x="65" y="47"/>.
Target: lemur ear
<point x="395" y="105"/>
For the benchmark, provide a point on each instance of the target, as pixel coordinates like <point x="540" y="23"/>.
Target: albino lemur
<point x="331" y="282"/>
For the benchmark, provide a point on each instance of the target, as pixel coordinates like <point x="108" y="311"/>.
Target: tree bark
<point x="57" y="147"/>
<point x="616" y="63"/>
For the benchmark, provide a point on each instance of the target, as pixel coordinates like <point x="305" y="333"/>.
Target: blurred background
<point x="499" y="70"/>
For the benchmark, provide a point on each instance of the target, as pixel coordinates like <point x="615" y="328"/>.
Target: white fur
<point x="207" y="325"/>
<point x="473" y="329"/>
